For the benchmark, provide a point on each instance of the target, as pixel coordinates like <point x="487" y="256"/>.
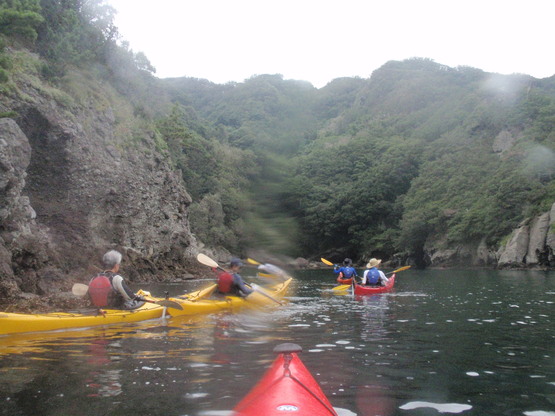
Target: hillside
<point x="420" y="163"/>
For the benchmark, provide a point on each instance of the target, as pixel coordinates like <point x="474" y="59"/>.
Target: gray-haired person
<point x="108" y="289"/>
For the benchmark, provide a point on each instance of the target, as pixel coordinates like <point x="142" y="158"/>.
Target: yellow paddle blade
<point x="266" y="275"/>
<point x="341" y="287"/>
<point x="401" y="269"/>
<point x="329" y="263"/>
<point x="251" y="261"/>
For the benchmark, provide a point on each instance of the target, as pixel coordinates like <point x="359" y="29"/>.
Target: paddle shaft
<point x="80" y="289"/>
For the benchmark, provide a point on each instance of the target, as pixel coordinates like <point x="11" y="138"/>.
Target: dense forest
<point x="417" y="154"/>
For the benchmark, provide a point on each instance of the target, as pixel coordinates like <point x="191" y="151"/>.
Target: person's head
<point x="373" y="263"/>
<point x="111" y="260"/>
<point x="235" y="264"/>
<point x="347" y="262"/>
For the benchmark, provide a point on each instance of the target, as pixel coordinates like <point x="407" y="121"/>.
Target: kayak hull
<point x="344" y="281"/>
<point x="194" y="303"/>
<point x="371" y="290"/>
<point x="205" y="301"/>
<point x="13" y="323"/>
<point x="287" y="387"/>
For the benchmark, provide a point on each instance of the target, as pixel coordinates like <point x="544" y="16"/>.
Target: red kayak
<point x="287" y="388"/>
<point x="344" y="281"/>
<point x="370" y="290"/>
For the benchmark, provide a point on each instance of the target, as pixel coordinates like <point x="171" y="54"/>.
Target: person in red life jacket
<point x="231" y="283"/>
<point x="372" y="275"/>
<point x="108" y="289"/>
<point x="345" y="272"/>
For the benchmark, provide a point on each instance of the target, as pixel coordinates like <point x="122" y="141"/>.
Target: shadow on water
<point x="471" y="342"/>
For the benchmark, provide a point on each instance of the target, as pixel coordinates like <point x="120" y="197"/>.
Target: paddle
<point x="345" y="287"/>
<point x="399" y="270"/>
<point x="329" y="263"/>
<point x="272" y="270"/>
<point x="79" y="289"/>
<point x="207" y="261"/>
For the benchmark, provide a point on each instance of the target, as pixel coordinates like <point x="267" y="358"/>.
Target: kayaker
<point x="231" y="283"/>
<point x="372" y="275"/>
<point x="345" y="272"/>
<point x="108" y="289"/>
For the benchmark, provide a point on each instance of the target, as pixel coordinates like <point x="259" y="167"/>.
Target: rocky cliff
<point x="531" y="246"/>
<point x="80" y="174"/>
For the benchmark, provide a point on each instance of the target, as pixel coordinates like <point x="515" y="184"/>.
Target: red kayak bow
<point x="370" y="290"/>
<point x="287" y="388"/>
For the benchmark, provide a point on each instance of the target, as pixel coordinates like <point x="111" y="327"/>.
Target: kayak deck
<point x="287" y="387"/>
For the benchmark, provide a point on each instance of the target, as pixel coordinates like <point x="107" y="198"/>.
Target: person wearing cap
<point x="346" y="272"/>
<point x="231" y="282"/>
<point x="372" y="275"/>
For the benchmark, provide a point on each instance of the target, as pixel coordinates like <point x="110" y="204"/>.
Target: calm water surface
<point x="445" y="342"/>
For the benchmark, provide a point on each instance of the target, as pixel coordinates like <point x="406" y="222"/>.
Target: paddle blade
<point x="169" y="304"/>
<point x="79" y="289"/>
<point x="341" y="287"/>
<point x="207" y="261"/>
<point x="251" y="261"/>
<point x="329" y="263"/>
<point x="401" y="269"/>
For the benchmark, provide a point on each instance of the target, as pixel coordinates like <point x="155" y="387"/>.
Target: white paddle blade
<point x="207" y="261"/>
<point x="79" y="289"/>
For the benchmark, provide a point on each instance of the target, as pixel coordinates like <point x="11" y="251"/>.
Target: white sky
<point x="319" y="40"/>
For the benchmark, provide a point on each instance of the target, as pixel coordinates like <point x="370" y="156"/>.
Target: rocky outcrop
<point x="472" y="254"/>
<point x="75" y="182"/>
<point x="531" y="245"/>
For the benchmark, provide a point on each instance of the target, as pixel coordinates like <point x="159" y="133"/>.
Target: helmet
<point x="347" y="261"/>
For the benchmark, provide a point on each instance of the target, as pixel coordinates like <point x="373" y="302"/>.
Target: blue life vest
<point x="348" y="272"/>
<point x="373" y="276"/>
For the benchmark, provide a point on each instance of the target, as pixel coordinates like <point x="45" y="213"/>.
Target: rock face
<point x="531" y="245"/>
<point x="75" y="182"/>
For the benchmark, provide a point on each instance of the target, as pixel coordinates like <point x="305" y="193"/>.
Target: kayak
<point x="12" y="323"/>
<point x="344" y="281"/>
<point x="193" y="303"/>
<point x="208" y="301"/>
<point x="370" y="290"/>
<point x="287" y="387"/>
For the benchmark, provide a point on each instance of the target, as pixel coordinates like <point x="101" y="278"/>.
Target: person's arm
<point x="365" y="277"/>
<point x="337" y="269"/>
<point x="238" y="281"/>
<point x="119" y="284"/>
<point x="383" y="277"/>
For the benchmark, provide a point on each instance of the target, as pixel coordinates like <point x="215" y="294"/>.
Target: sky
<point x="320" y="40"/>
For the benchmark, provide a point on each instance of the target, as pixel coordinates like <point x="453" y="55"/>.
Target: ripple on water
<point x="440" y="407"/>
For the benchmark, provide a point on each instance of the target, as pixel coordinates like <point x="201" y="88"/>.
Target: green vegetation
<point x="419" y="152"/>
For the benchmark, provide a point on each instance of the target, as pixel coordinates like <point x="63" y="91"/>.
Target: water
<point x="445" y="342"/>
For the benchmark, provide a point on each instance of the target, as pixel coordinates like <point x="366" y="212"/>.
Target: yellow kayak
<point x="194" y="303"/>
<point x="208" y="301"/>
<point x="13" y="323"/>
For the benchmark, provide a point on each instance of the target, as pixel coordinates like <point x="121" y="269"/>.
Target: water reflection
<point x="484" y="340"/>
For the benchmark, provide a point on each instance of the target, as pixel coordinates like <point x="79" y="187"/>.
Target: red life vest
<point x="225" y="282"/>
<point x="100" y="289"/>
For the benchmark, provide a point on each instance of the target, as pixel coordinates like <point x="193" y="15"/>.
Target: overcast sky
<point x="319" y="40"/>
